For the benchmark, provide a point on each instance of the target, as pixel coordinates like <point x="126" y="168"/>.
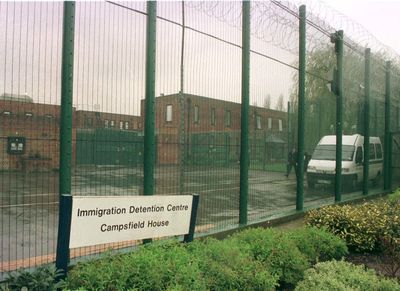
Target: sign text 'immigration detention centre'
<point x="99" y="220"/>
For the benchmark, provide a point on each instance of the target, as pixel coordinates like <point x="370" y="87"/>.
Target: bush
<point x="210" y="265"/>
<point x="318" y="245"/>
<point x="361" y="226"/>
<point x="158" y="266"/>
<point x="275" y="251"/>
<point x="340" y="275"/>
<point x="225" y="266"/>
<point x="41" y="279"/>
<point x="395" y="196"/>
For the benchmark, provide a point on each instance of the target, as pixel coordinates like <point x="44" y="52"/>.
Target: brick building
<point x="212" y="123"/>
<point x="91" y="119"/>
<point x="29" y="134"/>
<point x="208" y="128"/>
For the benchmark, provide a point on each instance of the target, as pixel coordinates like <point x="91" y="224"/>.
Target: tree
<point x="279" y="105"/>
<point x="320" y="105"/>
<point x="267" y="101"/>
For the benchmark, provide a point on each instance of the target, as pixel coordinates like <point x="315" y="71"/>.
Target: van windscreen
<point x="328" y="152"/>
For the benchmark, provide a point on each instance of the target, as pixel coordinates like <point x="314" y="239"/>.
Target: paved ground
<point x="29" y="202"/>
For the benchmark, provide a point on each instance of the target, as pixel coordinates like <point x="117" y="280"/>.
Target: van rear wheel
<point x="377" y="180"/>
<point x="349" y="184"/>
<point x="354" y="183"/>
<point x="311" y="183"/>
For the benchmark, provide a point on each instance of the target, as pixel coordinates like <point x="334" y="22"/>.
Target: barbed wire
<point x="276" y="22"/>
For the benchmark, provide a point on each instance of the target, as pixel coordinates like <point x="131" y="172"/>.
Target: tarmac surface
<point x="29" y="201"/>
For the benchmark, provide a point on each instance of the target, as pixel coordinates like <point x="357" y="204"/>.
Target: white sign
<point x="106" y="219"/>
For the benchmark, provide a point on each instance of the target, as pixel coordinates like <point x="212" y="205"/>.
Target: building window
<point x="15" y="145"/>
<point x="258" y="122"/>
<point x="126" y="125"/>
<point x="112" y="123"/>
<point x="269" y="123"/>
<point x="121" y="125"/>
<point x="228" y="118"/>
<point x="196" y="114"/>
<point x="280" y="125"/>
<point x="106" y="123"/>
<point x="212" y="116"/>
<point x="168" y="113"/>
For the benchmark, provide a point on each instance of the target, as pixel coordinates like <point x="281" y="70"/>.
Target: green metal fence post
<point x="182" y="133"/>
<point x="386" y="161"/>
<point x="367" y="94"/>
<point x="244" y="143"/>
<point x="338" y="40"/>
<point x="67" y="69"/>
<point x="301" y="108"/>
<point x="227" y="149"/>
<point x="288" y="130"/>
<point x="390" y="165"/>
<point x="265" y="151"/>
<point x="149" y="125"/>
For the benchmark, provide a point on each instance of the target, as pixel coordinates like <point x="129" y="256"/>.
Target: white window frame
<point x="228" y="118"/>
<point x="196" y="113"/>
<point x="258" y="122"/>
<point x="213" y="117"/>
<point x="168" y="113"/>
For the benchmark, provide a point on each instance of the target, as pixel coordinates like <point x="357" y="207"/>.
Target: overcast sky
<point x="381" y="18"/>
<point x="110" y="50"/>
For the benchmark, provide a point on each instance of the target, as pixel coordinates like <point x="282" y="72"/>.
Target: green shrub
<point x="41" y="279"/>
<point x="395" y="196"/>
<point x="318" y="244"/>
<point x="340" y="275"/>
<point x="225" y="266"/>
<point x="275" y="251"/>
<point x="361" y="226"/>
<point x="158" y="266"/>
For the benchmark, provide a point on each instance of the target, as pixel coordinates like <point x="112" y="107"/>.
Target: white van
<point x="321" y="168"/>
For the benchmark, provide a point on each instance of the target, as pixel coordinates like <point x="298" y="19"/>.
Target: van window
<point x="371" y="151"/>
<point x="359" y="155"/>
<point x="328" y="152"/>
<point x="378" y="151"/>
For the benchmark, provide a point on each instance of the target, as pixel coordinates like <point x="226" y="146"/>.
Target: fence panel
<point x="320" y="117"/>
<point x="272" y="72"/>
<point x="198" y="112"/>
<point x="377" y="119"/>
<point x="29" y="132"/>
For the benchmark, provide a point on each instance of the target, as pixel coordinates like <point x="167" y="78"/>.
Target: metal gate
<point x="109" y="147"/>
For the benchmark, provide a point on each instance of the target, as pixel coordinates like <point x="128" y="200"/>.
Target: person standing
<point x="292" y="162"/>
